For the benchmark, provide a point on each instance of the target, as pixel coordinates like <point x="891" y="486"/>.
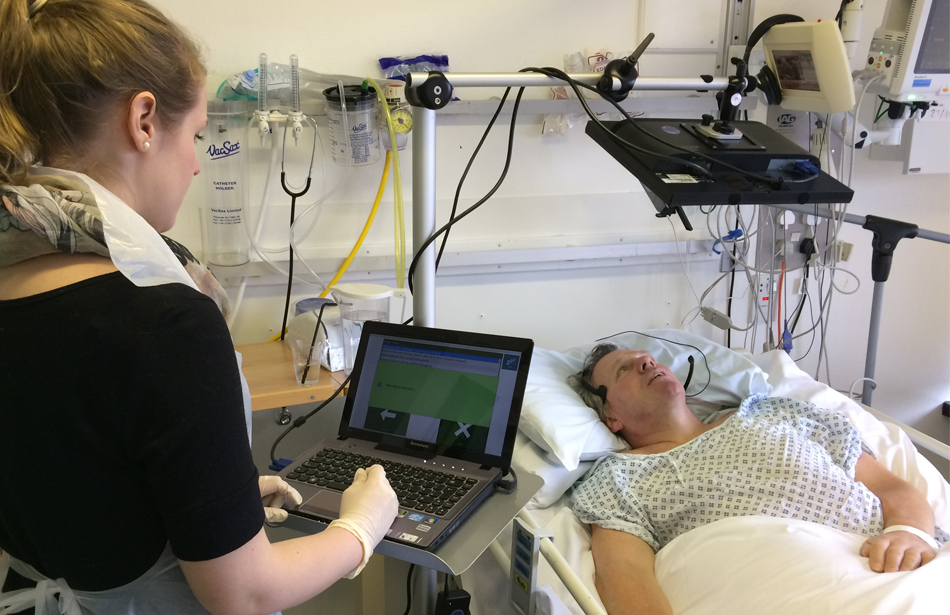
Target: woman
<point x="125" y="472"/>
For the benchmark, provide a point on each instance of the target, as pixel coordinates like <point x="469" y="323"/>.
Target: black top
<point x="121" y="429"/>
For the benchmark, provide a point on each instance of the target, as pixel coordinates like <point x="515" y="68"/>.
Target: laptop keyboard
<point x="420" y="489"/>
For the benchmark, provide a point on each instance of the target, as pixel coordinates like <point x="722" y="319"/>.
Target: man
<point x="775" y="457"/>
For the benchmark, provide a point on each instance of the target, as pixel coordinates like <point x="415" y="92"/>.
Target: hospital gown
<point x="776" y="457"/>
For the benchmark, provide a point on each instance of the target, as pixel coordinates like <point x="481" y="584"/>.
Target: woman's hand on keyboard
<point x="367" y="510"/>
<point x="274" y="492"/>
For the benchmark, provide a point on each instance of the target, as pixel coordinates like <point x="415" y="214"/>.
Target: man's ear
<point x="142" y="120"/>
<point x="612" y="424"/>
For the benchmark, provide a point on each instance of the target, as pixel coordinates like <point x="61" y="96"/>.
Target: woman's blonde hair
<point x="67" y="68"/>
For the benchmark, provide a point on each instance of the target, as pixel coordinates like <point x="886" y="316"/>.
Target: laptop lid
<point x="424" y="392"/>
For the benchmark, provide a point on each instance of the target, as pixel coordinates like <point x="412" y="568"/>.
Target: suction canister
<point x="356" y="135"/>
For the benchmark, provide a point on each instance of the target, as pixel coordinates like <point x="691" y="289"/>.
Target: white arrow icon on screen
<point x="386" y="414"/>
<point x="464" y="429"/>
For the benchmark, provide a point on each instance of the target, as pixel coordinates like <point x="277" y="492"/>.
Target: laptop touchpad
<point x="325" y="503"/>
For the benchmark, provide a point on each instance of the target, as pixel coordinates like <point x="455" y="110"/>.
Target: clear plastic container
<point x="362" y="125"/>
<point x="224" y="168"/>
<point x="359" y="303"/>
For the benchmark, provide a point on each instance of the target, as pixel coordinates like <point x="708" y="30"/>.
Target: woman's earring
<point x="146" y="145"/>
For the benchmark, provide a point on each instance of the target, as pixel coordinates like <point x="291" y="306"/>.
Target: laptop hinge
<point x="403" y="450"/>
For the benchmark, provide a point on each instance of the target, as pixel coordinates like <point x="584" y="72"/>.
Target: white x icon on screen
<point x="464" y="429"/>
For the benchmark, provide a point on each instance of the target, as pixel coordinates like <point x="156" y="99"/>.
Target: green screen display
<point x="437" y="393"/>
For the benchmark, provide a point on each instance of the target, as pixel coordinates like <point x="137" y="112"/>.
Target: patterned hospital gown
<point x="776" y="457"/>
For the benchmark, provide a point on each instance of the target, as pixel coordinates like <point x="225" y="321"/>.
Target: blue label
<point x="921" y="83"/>
<point x="522" y="569"/>
<point x="523" y="555"/>
<point x="524" y="540"/>
<point x="415" y="517"/>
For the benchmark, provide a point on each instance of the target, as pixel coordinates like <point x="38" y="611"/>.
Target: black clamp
<point x="433" y="93"/>
<point x="887" y="233"/>
<point x="624" y="71"/>
<point x="728" y="107"/>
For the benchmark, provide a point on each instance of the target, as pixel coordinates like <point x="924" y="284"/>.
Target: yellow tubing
<point x="359" y="242"/>
<point x="366" y="227"/>
<point x="400" y="222"/>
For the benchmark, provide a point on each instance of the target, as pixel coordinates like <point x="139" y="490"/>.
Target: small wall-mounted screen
<point x="796" y="70"/>
<point x="934" y="55"/>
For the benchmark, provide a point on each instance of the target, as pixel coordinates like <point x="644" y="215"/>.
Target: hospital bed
<point x="750" y="564"/>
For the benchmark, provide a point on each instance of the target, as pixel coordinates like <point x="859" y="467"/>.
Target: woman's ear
<point x="141" y="121"/>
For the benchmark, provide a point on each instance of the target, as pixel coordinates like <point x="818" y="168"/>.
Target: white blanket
<point x="758" y="565"/>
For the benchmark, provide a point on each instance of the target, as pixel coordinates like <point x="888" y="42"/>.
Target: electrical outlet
<point x="726" y="263"/>
<point x="763" y="291"/>
<point x="844" y="251"/>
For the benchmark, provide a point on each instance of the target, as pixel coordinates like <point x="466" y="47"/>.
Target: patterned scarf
<point x="59" y="214"/>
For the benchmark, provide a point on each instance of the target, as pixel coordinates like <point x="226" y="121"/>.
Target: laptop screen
<point x="437" y="392"/>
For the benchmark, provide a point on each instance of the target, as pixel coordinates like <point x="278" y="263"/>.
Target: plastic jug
<point x="360" y="303"/>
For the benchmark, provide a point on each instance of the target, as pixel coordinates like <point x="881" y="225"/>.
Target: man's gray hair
<point x="590" y="398"/>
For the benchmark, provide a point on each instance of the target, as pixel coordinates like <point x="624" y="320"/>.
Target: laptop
<point x="438" y="409"/>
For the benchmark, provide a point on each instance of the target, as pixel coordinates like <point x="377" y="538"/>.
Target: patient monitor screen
<point x="796" y="70"/>
<point x="453" y="395"/>
<point x="934" y="55"/>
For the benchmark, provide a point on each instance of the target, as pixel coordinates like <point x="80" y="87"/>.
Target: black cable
<point x="316" y="331"/>
<point x="801" y="303"/>
<point x="840" y="16"/>
<point x="765" y="26"/>
<point x="458" y="190"/>
<point x="507" y="486"/>
<point x="559" y="74"/>
<point x="732" y="286"/>
<point x="300" y="421"/>
<point x="504" y="173"/>
<point x="409" y="589"/>
<point x="553" y="72"/>
<point x="290" y="271"/>
<point x="708" y="376"/>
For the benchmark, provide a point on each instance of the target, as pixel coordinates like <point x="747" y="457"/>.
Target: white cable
<point x="832" y="246"/>
<point x="685" y="273"/>
<point x="851" y="390"/>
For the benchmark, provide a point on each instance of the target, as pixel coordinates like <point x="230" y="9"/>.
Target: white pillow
<point x="528" y="457"/>
<point x="556" y="419"/>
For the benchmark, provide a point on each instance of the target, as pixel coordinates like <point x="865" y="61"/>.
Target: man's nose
<point x="647" y="362"/>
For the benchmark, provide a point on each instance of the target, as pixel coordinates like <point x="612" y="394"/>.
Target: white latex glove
<point x="274" y="492"/>
<point x="368" y="508"/>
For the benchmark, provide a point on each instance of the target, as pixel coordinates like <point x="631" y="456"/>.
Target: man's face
<point x="637" y="387"/>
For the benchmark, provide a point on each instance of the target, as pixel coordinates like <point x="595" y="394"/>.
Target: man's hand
<point x="901" y="504"/>
<point x="897" y="551"/>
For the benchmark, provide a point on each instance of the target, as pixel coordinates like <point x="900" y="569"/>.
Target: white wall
<point x="566" y="191"/>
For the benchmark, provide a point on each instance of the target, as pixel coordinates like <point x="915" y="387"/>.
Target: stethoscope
<point x="298" y="120"/>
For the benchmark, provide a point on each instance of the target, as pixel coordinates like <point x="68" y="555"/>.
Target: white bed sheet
<point x="788" y="567"/>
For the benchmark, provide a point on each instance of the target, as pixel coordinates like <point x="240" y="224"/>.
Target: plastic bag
<point x="560" y="123"/>
<point x="243" y="86"/>
<point x="397" y="67"/>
